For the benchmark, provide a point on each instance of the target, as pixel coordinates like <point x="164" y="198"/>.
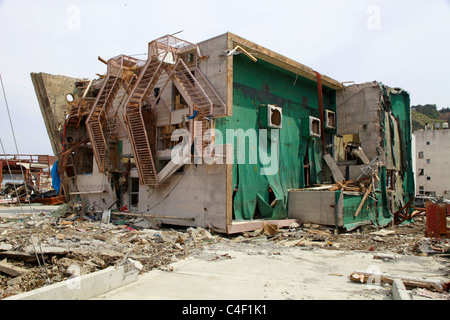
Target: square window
<point x="428" y="178"/>
<point x="428" y="160"/>
<point x="428" y="143"/>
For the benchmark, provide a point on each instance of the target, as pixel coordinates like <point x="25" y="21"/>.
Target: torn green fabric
<point x="255" y="86"/>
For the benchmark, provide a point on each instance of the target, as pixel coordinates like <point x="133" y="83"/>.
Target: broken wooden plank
<point x="364" y="199"/>
<point x="384" y="256"/>
<point x="154" y="216"/>
<point x="409" y="282"/>
<point x="18" y="255"/>
<point x="57" y="251"/>
<point x="10" y="269"/>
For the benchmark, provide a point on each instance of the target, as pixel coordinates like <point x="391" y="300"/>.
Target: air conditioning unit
<point x="314" y="127"/>
<point x="271" y="116"/>
<point x="330" y="119"/>
<point x="311" y="127"/>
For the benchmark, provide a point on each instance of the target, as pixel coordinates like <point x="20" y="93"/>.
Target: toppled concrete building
<point x="227" y="134"/>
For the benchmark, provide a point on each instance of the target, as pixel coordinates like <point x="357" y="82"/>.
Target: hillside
<point x="423" y="114"/>
<point x="445" y="114"/>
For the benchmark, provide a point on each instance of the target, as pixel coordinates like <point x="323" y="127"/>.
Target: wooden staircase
<point x="167" y="54"/>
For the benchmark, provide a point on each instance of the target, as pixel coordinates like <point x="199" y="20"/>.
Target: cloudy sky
<point x="400" y="43"/>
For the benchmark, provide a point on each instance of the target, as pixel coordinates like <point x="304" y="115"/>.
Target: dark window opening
<point x="134" y="192"/>
<point x="421" y="190"/>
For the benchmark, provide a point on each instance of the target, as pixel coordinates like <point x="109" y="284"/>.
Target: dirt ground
<point x="48" y="247"/>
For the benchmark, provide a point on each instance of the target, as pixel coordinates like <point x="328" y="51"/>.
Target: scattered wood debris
<point x="43" y="249"/>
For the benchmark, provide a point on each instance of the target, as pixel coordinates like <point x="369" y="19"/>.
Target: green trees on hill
<point x="423" y="114"/>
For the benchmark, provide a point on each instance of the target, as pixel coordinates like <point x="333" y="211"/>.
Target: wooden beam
<point x="10" y="269"/>
<point x="364" y="199"/>
<point x="154" y="216"/>
<point x="409" y="282"/>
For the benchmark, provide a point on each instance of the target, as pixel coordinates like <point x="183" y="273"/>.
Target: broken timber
<point x="10" y="269"/>
<point x="364" y="199"/>
<point x="154" y="216"/>
<point x="409" y="282"/>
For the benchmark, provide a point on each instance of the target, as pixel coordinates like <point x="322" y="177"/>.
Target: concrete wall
<point x="197" y="197"/>
<point x="318" y="207"/>
<point x="357" y="112"/>
<point x="436" y="176"/>
<point x="215" y="67"/>
<point x="51" y="91"/>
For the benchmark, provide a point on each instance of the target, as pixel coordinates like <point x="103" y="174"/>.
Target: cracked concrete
<point x="270" y="271"/>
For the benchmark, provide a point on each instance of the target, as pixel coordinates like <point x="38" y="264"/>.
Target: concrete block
<point x="399" y="291"/>
<point x="83" y="287"/>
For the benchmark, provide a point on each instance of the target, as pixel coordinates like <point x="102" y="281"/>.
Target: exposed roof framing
<point x="281" y="61"/>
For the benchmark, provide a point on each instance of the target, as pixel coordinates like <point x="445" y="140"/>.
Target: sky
<point x="402" y="43"/>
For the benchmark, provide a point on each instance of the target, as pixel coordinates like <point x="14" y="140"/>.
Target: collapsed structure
<point x="226" y="134"/>
<point x="26" y="178"/>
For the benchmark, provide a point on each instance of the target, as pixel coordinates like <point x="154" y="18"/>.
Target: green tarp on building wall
<point x="261" y="83"/>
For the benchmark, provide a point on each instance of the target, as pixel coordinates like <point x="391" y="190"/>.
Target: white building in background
<point x="432" y="161"/>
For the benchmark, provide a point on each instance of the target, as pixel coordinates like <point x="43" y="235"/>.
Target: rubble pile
<point x="19" y="193"/>
<point x="406" y="239"/>
<point x="45" y="249"/>
<point x="15" y="192"/>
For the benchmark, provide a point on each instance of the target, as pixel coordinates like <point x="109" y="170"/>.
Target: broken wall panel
<point x="380" y="116"/>
<point x="215" y="67"/>
<point x="257" y="84"/>
<point x="51" y="92"/>
<point x="358" y="108"/>
<point x="197" y="196"/>
<point x="319" y="207"/>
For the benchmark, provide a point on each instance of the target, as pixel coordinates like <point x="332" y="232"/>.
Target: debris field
<point x="45" y="248"/>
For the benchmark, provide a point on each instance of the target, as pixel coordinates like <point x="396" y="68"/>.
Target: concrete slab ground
<point x="237" y="271"/>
